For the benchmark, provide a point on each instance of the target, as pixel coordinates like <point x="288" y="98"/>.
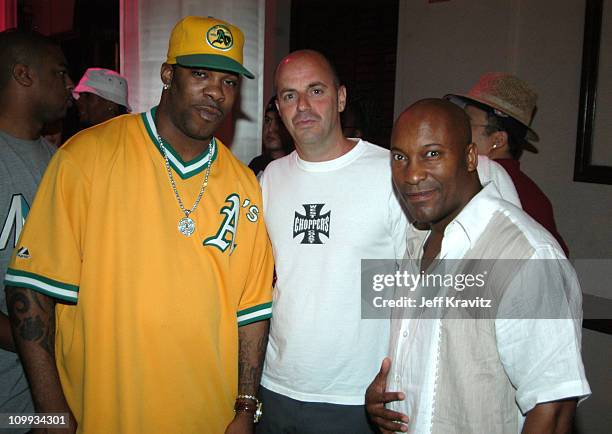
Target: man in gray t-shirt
<point x="35" y="89"/>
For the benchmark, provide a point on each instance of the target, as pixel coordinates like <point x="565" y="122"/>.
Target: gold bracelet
<point x="244" y="407"/>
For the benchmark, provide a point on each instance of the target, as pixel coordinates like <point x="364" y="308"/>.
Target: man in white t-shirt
<point x="328" y="205"/>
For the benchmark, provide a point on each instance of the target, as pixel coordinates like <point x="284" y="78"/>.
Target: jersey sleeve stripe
<point x="42" y="284"/>
<point x="254" y="308"/>
<point x="254" y="314"/>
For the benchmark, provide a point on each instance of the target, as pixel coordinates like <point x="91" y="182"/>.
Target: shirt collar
<point x="463" y="231"/>
<point x="185" y="169"/>
<point x="474" y="217"/>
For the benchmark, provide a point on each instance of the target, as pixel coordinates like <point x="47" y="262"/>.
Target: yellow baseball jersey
<point x="148" y="341"/>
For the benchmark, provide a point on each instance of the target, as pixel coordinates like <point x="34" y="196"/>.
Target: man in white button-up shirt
<point x="519" y="370"/>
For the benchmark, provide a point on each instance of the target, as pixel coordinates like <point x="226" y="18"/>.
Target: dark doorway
<point x="361" y="40"/>
<point x="88" y="30"/>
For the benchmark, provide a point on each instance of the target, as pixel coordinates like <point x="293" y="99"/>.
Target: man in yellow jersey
<point x="140" y="289"/>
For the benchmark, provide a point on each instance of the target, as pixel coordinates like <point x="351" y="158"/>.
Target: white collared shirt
<point x="541" y="357"/>
<point x="491" y="171"/>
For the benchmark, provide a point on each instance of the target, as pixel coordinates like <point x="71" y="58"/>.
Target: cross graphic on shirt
<point x="312" y="223"/>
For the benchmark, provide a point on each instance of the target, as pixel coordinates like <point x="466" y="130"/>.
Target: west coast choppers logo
<point x="313" y="224"/>
<point x="220" y="37"/>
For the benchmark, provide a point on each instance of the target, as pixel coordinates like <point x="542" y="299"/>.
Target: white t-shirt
<point x="323" y="218"/>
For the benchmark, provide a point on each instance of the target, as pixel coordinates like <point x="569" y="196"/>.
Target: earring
<point x="166" y="86"/>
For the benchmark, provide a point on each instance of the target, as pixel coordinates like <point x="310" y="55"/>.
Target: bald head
<point x="440" y="113"/>
<point x="310" y="56"/>
<point x="433" y="161"/>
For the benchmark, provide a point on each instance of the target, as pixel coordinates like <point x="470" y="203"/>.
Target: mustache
<point x="415" y="192"/>
<point x="300" y="117"/>
<point x="211" y="106"/>
<point x="417" y="189"/>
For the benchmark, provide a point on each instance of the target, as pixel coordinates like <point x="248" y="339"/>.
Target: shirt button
<point x="398" y="378"/>
<point x="405" y="334"/>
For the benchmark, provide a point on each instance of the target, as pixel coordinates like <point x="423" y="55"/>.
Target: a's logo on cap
<point x="220" y="37"/>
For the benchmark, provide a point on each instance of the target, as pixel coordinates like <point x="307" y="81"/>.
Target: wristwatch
<point x="254" y="406"/>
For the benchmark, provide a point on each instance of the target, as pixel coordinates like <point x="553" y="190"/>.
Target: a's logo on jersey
<point x="15" y="217"/>
<point x="23" y="252"/>
<point x="220" y="37"/>
<point x="226" y="235"/>
<point x="312" y="224"/>
<point x="252" y="210"/>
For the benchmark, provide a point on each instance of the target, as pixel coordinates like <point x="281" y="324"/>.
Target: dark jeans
<point x="283" y="415"/>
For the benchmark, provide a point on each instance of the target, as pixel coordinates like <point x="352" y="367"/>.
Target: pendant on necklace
<point x="186" y="226"/>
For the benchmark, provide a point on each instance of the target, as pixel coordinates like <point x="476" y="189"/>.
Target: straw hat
<point x="507" y="95"/>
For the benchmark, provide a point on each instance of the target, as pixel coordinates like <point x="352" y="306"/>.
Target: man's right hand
<point x="375" y="399"/>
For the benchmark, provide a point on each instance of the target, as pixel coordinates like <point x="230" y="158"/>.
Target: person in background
<point x="276" y="141"/>
<point x="101" y="95"/>
<point x="501" y="108"/>
<point x="34" y="90"/>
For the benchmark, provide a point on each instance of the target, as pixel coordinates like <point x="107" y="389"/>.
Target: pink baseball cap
<point x="106" y="84"/>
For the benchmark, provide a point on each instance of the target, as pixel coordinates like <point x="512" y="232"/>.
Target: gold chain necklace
<point x="186" y="225"/>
